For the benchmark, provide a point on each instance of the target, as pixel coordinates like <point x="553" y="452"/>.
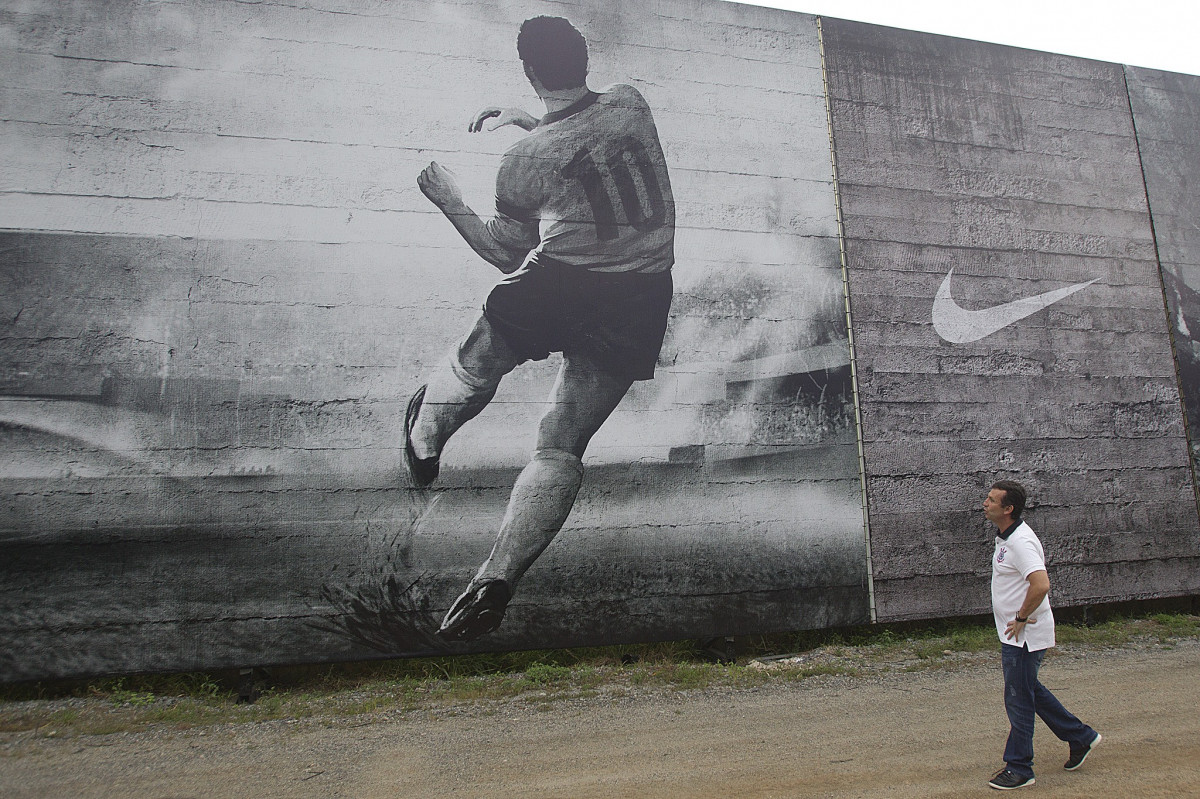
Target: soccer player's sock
<point x="449" y="403"/>
<point x="541" y="500"/>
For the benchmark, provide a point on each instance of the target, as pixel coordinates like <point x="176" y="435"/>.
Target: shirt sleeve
<point x="518" y="204"/>
<point x="1027" y="556"/>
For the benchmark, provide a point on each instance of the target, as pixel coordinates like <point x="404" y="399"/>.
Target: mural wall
<point x="222" y="285"/>
<point x="1008" y="314"/>
<point x="237" y="240"/>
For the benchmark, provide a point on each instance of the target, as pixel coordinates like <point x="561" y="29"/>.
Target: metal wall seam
<point x="841" y="229"/>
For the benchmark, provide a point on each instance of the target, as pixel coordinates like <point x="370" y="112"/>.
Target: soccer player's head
<point x="1014" y="494"/>
<point x="553" y="52"/>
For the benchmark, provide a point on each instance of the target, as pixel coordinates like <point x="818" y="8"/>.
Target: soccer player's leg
<point x="583" y="398"/>
<point x="458" y="389"/>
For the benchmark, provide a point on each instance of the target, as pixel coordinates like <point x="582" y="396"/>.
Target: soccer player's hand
<point x="438" y="184"/>
<point x="503" y="116"/>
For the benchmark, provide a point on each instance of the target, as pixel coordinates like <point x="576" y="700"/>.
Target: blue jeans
<point x="1025" y="697"/>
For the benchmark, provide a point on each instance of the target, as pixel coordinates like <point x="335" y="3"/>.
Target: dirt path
<point x="924" y="734"/>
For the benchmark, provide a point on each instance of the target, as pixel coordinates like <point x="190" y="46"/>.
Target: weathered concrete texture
<point x="220" y="284"/>
<point x="162" y="574"/>
<point x="1166" y="113"/>
<point x="1018" y="170"/>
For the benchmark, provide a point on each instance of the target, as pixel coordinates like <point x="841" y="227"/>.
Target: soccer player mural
<point x="587" y="277"/>
<point x="584" y="228"/>
<point x="264" y="400"/>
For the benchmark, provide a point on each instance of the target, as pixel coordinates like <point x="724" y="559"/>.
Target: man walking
<point x="584" y="228"/>
<point x="1025" y="624"/>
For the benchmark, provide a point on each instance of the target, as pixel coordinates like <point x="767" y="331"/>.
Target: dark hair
<point x="1014" y="494"/>
<point x="554" y="52"/>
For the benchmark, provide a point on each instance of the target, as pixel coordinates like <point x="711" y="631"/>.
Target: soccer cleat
<point x="1079" y="755"/>
<point x="1006" y="780"/>
<point x="477" y="612"/>
<point x="421" y="471"/>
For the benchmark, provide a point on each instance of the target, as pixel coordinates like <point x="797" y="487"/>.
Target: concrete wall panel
<point x="1166" y="112"/>
<point x="1019" y="173"/>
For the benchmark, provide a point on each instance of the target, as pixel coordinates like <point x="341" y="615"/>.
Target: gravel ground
<point x="882" y="732"/>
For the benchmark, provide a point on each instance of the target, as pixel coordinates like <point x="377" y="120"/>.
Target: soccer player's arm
<point x="515" y="227"/>
<point x="503" y="116"/>
<point x="440" y="187"/>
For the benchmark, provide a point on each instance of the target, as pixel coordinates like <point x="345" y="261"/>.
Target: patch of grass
<point x="934" y="644"/>
<point x="121" y="696"/>
<point x="1170" y="625"/>
<point x="97" y="726"/>
<point x="63" y="718"/>
<point x="929" y="650"/>
<point x="547" y="673"/>
<point x="1116" y="632"/>
<point x="973" y="639"/>
<point x="541" y="677"/>
<point x="691" y="675"/>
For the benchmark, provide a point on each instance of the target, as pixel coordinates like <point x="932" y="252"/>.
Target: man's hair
<point x="554" y="52"/>
<point x="1014" y="494"/>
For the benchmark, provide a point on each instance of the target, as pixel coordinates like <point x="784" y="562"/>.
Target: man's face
<point x="994" y="507"/>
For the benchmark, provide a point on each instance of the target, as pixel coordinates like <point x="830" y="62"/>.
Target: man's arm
<point x="1039" y="587"/>
<point x="503" y="116"/>
<point x="439" y="186"/>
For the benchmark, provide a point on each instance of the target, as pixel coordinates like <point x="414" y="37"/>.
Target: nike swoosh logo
<point x="960" y="326"/>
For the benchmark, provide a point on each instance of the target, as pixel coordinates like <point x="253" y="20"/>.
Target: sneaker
<point x="1006" y="780"/>
<point x="477" y="612"/>
<point x="1079" y="755"/>
<point x="421" y="471"/>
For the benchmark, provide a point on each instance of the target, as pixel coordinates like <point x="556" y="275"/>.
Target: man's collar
<point x="573" y="108"/>
<point x="1005" y="533"/>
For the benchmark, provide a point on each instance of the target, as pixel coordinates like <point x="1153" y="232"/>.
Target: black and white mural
<point x="342" y="330"/>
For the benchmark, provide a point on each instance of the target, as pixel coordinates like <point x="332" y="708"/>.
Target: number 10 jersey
<point x="589" y="187"/>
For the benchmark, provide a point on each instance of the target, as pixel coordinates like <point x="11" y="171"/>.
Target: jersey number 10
<point x="630" y="155"/>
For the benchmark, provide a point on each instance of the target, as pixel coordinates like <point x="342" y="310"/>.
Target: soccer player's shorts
<point x="617" y="318"/>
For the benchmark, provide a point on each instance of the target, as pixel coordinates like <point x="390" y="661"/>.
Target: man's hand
<point x="503" y="116"/>
<point x="1038" y="589"/>
<point x="1015" y="628"/>
<point x="438" y="184"/>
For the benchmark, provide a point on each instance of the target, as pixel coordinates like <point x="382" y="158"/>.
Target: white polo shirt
<point x="1018" y="555"/>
